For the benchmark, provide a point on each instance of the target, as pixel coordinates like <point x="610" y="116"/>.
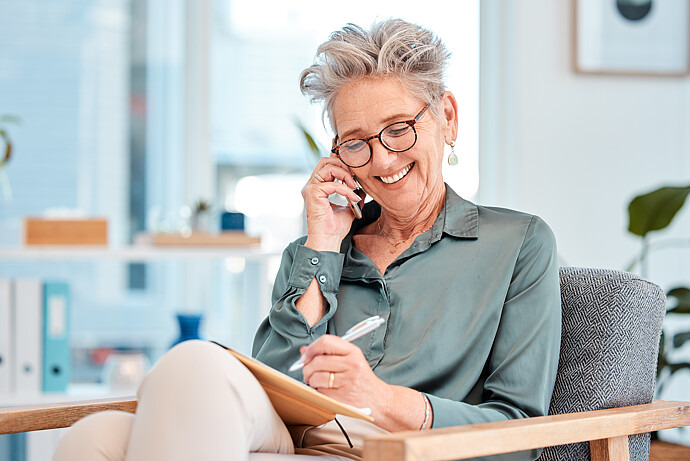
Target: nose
<point x="380" y="156"/>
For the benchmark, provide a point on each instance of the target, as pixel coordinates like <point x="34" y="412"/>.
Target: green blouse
<point x="472" y="311"/>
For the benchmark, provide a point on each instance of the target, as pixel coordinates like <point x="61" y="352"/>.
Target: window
<point x="259" y="49"/>
<point x="134" y="109"/>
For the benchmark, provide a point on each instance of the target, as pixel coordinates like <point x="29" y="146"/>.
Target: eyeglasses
<point x="396" y="137"/>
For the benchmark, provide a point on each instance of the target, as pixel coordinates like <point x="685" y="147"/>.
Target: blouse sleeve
<point x="281" y="334"/>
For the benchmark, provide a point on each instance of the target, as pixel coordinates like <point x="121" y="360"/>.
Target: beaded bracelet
<point x="427" y="410"/>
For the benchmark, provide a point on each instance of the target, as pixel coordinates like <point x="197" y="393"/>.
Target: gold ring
<point x="331" y="379"/>
<point x="319" y="178"/>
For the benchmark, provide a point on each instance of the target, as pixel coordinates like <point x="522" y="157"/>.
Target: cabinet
<point x="127" y="298"/>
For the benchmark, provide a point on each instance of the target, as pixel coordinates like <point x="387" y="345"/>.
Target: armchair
<point x="603" y="393"/>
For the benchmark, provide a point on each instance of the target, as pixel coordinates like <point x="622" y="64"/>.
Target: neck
<point x="399" y="228"/>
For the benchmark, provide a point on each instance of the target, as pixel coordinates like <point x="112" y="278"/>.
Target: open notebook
<point x="295" y="402"/>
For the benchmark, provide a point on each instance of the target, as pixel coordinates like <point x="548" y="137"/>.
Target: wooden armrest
<point x="609" y="428"/>
<point x="56" y="415"/>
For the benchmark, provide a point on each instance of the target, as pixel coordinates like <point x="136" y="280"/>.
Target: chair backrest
<point x="610" y="339"/>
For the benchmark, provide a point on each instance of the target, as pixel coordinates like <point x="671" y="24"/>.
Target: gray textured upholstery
<point x="611" y="326"/>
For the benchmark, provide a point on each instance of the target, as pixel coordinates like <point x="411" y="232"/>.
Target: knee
<point x="191" y="362"/>
<point x="98" y="437"/>
<point x="193" y="350"/>
<point x="191" y="357"/>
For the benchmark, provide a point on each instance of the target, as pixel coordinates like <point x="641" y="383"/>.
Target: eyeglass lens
<point x="397" y="137"/>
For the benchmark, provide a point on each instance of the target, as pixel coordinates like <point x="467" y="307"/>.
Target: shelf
<point x="135" y="253"/>
<point x="75" y="391"/>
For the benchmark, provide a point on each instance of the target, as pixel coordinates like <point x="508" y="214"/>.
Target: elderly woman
<point x="469" y="294"/>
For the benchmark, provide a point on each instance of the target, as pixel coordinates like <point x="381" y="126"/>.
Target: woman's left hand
<point x="353" y="381"/>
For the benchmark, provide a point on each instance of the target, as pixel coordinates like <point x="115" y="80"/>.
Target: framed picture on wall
<point x="638" y="37"/>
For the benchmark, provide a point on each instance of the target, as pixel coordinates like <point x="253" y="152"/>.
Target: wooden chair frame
<point x="606" y="430"/>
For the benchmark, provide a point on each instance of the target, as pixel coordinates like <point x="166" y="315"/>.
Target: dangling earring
<point x="452" y="158"/>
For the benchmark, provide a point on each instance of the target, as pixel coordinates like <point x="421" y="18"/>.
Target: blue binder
<point x="56" y="350"/>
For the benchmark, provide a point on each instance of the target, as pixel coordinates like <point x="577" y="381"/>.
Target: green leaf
<point x="678" y="366"/>
<point x="633" y="264"/>
<point x="680" y="339"/>
<point x="311" y="142"/>
<point x="655" y="210"/>
<point x="682" y="295"/>
<point x="6" y="118"/>
<point x="661" y="360"/>
<point x="8" y="148"/>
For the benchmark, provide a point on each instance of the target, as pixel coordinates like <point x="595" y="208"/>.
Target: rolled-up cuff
<point x="324" y="266"/>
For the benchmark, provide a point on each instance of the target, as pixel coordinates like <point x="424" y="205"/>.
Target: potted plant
<point x="201" y="216"/>
<point x="650" y="212"/>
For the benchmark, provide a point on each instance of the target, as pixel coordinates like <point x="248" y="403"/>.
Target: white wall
<point x="573" y="148"/>
<point x="576" y="148"/>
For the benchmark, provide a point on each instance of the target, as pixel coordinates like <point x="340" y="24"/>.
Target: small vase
<point x="189" y="327"/>
<point x="201" y="222"/>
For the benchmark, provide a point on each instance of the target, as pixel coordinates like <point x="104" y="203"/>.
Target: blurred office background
<point x="134" y="110"/>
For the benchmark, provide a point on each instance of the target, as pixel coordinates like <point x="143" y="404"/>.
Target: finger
<point x="325" y="162"/>
<point x="328" y="345"/>
<point x="322" y="380"/>
<point x="336" y="363"/>
<point x="352" y="361"/>
<point x="313" y="369"/>
<point x="343" y="164"/>
<point x="323" y="190"/>
<point x="331" y="161"/>
<point x="331" y="173"/>
<point x="327" y="172"/>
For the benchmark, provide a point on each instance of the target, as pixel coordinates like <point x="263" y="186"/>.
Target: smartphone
<point x="356" y="207"/>
<point x="340" y="200"/>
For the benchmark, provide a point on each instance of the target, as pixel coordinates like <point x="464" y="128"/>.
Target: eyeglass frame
<point x="336" y="147"/>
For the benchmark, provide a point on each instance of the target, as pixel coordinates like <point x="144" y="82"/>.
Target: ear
<point x="449" y="116"/>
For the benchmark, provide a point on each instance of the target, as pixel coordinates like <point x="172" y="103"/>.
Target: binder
<point x="6" y="366"/>
<point x="295" y="402"/>
<point x="13" y="447"/>
<point x="28" y="304"/>
<point x="56" y="350"/>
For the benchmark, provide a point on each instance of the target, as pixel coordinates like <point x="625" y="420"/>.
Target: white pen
<point x="357" y="331"/>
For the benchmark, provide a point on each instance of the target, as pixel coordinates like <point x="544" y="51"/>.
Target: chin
<point x="401" y="204"/>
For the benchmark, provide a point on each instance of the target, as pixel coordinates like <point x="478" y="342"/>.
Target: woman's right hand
<point x="328" y="224"/>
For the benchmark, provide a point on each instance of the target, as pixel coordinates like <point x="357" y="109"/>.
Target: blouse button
<point x="322" y="279"/>
<point x="314" y="260"/>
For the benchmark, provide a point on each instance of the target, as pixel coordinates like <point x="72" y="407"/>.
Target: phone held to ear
<point x="357" y="207"/>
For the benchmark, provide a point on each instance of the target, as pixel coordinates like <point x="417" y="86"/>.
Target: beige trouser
<point x="200" y="403"/>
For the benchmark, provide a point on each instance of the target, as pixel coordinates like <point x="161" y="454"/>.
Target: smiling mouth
<point x="398" y="176"/>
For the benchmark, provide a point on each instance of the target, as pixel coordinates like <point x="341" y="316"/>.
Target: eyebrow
<point x="398" y="117"/>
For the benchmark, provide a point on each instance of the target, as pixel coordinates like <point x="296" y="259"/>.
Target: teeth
<point x="396" y="177"/>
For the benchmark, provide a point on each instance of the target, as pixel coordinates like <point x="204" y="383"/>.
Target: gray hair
<point x="391" y="48"/>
